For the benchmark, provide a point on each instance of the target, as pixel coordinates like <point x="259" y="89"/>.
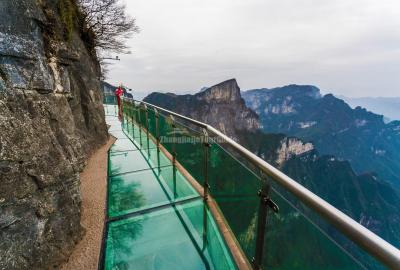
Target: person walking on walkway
<point x="118" y="93"/>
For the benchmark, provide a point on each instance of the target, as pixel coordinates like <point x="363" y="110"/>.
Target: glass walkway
<point x="182" y="195"/>
<point x="155" y="218"/>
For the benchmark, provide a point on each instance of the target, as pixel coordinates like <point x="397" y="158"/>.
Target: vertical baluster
<point x="157" y="137"/>
<point x="173" y="152"/>
<point x="264" y="204"/>
<point x="129" y="118"/>
<point x="120" y="113"/>
<point x="134" y="118"/>
<point x="147" y="129"/>
<point x="206" y="186"/>
<point x="140" y="125"/>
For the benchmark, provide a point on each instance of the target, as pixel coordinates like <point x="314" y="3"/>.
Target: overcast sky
<point x="347" y="47"/>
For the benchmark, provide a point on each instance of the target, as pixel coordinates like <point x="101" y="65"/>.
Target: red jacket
<point x="119" y="92"/>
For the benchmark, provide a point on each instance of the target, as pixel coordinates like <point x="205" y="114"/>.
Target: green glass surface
<point x="121" y="145"/>
<point x="123" y="162"/>
<point x="152" y="122"/>
<point x="235" y="189"/>
<point x="190" y="151"/>
<point x="132" y="130"/>
<point x="166" y="132"/>
<point x="109" y="99"/>
<point x="113" y="120"/>
<point x="165" y="239"/>
<point x="293" y="242"/>
<point x="215" y="248"/>
<point x="156" y="157"/>
<point x="187" y="144"/>
<point x="110" y="110"/>
<point x="134" y="191"/>
<point x="175" y="184"/>
<point x="117" y="133"/>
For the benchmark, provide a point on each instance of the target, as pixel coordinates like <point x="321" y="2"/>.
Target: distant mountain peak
<point x="227" y="91"/>
<point x="221" y="106"/>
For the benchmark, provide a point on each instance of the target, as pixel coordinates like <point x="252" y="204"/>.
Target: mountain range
<point x="387" y="106"/>
<point x="290" y="127"/>
<point x="356" y="135"/>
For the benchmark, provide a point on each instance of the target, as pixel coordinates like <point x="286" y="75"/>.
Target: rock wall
<point x="291" y="147"/>
<point x="51" y="119"/>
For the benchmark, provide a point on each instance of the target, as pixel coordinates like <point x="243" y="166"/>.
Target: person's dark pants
<point x="119" y="107"/>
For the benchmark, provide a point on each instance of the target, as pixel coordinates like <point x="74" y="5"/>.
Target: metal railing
<point x="383" y="251"/>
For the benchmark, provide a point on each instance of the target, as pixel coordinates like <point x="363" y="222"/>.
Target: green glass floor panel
<point x="215" y="249"/>
<point x="134" y="191"/>
<point x="175" y="183"/>
<point x="134" y="133"/>
<point x="146" y="189"/>
<point x="124" y="162"/>
<point x="114" y="125"/>
<point x="163" y="239"/>
<point x="123" y="145"/>
<point x="112" y="120"/>
<point x="110" y="110"/>
<point x="119" y="134"/>
<point x="143" y="142"/>
<point x="156" y="158"/>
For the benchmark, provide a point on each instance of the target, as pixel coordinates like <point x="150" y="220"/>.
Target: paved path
<point x="93" y="192"/>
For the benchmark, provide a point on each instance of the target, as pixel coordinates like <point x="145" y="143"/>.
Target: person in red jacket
<point x="118" y="93"/>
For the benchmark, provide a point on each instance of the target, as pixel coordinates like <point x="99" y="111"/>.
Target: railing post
<point x="140" y="126"/>
<point x="206" y="186"/>
<point x="173" y="140"/>
<point x="147" y="129"/>
<point x="122" y="111"/>
<point x="157" y="116"/>
<point x="131" y="117"/>
<point x="207" y="145"/>
<point x="264" y="204"/>
<point x="173" y="125"/>
<point x="134" y="118"/>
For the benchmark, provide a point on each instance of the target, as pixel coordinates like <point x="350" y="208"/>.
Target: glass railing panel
<point x="152" y="122"/>
<point x="347" y="247"/>
<point x="235" y="189"/>
<point x="110" y="99"/>
<point x="166" y="131"/>
<point x="190" y="151"/>
<point x="294" y="242"/>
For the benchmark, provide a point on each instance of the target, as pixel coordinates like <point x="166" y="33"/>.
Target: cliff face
<point x="51" y="119"/>
<point x="220" y="106"/>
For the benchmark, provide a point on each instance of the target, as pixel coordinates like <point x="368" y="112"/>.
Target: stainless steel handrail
<point x="370" y="242"/>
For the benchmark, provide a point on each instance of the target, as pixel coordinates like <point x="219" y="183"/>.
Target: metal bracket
<point x="268" y="201"/>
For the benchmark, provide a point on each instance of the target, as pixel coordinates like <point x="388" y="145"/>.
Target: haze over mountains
<point x="356" y="135"/>
<point x="388" y="106"/>
<point x="347" y="156"/>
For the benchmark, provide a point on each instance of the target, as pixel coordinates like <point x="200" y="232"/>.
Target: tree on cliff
<point x="107" y="24"/>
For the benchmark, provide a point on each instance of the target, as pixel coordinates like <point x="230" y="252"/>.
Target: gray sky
<point x="347" y="47"/>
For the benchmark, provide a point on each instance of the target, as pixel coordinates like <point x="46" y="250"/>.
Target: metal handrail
<point x="367" y="240"/>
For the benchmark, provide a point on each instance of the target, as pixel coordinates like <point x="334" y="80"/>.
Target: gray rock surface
<point x="220" y="106"/>
<point x="51" y="119"/>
